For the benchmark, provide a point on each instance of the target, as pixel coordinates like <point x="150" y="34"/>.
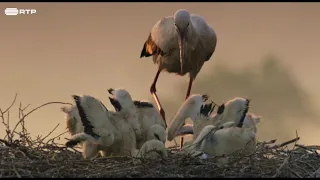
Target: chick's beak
<point x="205" y="97"/>
<point x="110" y="91"/>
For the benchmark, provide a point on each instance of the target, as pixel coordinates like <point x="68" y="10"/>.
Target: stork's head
<point x="251" y="121"/>
<point x="71" y="119"/>
<point x="182" y="22"/>
<point x="120" y="99"/>
<point x="190" y="108"/>
<point x="235" y="110"/>
<point x="194" y="105"/>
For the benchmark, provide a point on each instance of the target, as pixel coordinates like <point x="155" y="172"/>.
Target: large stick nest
<point x="27" y="157"/>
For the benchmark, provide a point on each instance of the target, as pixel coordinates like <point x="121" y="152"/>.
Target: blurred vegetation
<point x="274" y="92"/>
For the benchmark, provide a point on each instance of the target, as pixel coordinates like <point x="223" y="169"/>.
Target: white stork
<point x="179" y="44"/>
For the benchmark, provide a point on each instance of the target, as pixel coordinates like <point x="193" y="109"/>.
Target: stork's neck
<point x="192" y="36"/>
<point x="179" y="116"/>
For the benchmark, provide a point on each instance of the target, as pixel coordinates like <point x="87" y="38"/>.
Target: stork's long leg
<point x="189" y="88"/>
<point x="153" y="91"/>
<point x="187" y="95"/>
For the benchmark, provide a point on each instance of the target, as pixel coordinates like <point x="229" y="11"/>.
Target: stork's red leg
<point x="189" y="88"/>
<point x="153" y="91"/>
<point x="187" y="95"/>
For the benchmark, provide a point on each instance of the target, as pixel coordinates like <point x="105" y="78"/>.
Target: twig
<point x="306" y="148"/>
<point x="58" y="136"/>
<point x="15" y="170"/>
<point x="285" y="162"/>
<point x="285" y="143"/>
<point x="2" y="113"/>
<point x="315" y="174"/>
<point x="295" y="173"/>
<point x="22" y="119"/>
<point x="21" y="114"/>
<point x="50" y="132"/>
<point x="14" y="100"/>
<point x="271" y="141"/>
<point x="314" y="147"/>
<point x="25" y="107"/>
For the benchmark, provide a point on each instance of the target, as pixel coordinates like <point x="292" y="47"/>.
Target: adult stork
<point x="179" y="44"/>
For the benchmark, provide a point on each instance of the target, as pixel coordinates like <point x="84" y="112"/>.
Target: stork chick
<point x="218" y="141"/>
<point x="144" y="114"/>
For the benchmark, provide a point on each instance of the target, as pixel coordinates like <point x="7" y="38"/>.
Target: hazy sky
<point x="86" y="48"/>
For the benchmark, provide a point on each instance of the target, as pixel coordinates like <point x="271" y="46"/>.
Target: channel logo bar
<point x="11" y="11"/>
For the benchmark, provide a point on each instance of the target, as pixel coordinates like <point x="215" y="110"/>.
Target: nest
<point x="26" y="157"/>
<point x="52" y="160"/>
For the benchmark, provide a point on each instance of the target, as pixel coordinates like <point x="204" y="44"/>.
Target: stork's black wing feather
<point x="220" y="109"/>
<point x="156" y="136"/>
<point x="244" y="114"/>
<point x="140" y="104"/>
<point x="88" y="127"/>
<point x="150" y="48"/>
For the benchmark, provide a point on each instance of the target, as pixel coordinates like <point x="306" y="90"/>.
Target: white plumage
<point x="212" y="133"/>
<point x="72" y="119"/>
<point x="152" y="149"/>
<point x="179" y="44"/>
<point x="109" y="132"/>
<point x="227" y="137"/>
<point x="143" y="113"/>
<point x="184" y="32"/>
<point x="189" y="109"/>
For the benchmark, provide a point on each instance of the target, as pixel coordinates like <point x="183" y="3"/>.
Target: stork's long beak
<point x="181" y="40"/>
<point x="205" y="97"/>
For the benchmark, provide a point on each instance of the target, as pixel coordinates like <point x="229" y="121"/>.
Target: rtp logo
<point x="16" y="11"/>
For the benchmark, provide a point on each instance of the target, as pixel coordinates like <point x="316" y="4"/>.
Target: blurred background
<point x="267" y="52"/>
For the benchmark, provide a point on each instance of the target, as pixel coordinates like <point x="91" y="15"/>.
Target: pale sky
<point x="86" y="48"/>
